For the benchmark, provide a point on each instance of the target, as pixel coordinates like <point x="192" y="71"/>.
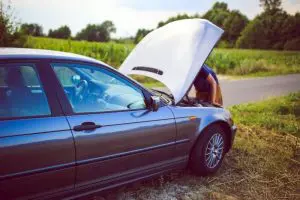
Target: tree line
<point x="92" y="32"/>
<point x="274" y="28"/>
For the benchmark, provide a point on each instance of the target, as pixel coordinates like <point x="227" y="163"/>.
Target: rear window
<point x="21" y="93"/>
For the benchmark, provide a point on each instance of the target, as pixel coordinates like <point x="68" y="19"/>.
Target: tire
<point x="207" y="158"/>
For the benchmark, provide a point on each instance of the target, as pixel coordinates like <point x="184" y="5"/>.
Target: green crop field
<point x="111" y="53"/>
<point x="224" y="61"/>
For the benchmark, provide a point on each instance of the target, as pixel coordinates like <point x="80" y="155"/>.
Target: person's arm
<point x="213" y="87"/>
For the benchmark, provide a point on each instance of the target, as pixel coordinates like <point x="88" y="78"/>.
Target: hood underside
<point x="174" y="54"/>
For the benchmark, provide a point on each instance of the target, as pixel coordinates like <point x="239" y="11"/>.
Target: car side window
<point x="21" y="93"/>
<point x="94" y="89"/>
<point x="65" y="74"/>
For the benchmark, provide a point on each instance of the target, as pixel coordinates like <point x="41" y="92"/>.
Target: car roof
<point x="25" y="53"/>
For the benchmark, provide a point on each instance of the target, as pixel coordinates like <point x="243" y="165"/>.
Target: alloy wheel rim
<point x="214" y="150"/>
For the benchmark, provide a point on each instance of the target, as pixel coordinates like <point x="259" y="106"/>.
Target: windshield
<point x="167" y="98"/>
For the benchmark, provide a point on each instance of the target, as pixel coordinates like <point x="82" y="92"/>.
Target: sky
<point x="127" y="15"/>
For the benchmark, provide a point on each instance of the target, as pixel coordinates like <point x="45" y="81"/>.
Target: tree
<point x="272" y="29"/>
<point x="63" y="32"/>
<point x="271" y="5"/>
<point x="99" y="33"/>
<point x="269" y="30"/>
<point x="176" y="18"/>
<point x="292" y="33"/>
<point x="220" y="5"/>
<point x="7" y="25"/>
<point x="292" y="45"/>
<point x="217" y="14"/>
<point x="233" y="22"/>
<point x="32" y="29"/>
<point x="141" y="33"/>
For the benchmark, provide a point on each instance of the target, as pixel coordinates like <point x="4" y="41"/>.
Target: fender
<point x="192" y="121"/>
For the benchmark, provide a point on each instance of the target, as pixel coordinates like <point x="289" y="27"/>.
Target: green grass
<point x="281" y="114"/>
<point x="236" y="62"/>
<point x="153" y="84"/>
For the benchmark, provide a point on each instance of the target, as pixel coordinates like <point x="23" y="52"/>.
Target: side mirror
<point x="155" y="103"/>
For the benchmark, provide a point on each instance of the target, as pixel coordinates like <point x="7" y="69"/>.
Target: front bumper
<point x="233" y="133"/>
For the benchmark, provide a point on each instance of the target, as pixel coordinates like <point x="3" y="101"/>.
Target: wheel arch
<point x="223" y="124"/>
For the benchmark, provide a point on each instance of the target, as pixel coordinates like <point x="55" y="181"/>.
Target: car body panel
<point x="116" y="147"/>
<point x="174" y="54"/>
<point x="35" y="151"/>
<point x="192" y="121"/>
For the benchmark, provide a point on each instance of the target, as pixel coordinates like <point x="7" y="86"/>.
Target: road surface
<point x="256" y="89"/>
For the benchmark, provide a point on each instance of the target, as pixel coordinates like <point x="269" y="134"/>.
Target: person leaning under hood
<point x="207" y="86"/>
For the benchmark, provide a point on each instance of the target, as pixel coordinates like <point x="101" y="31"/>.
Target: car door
<point x="116" y="136"/>
<point x="37" y="154"/>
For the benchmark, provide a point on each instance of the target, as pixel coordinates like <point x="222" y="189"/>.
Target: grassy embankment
<point x="263" y="164"/>
<point x="236" y="62"/>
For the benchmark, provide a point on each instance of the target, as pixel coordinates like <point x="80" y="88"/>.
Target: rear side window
<point x="21" y="92"/>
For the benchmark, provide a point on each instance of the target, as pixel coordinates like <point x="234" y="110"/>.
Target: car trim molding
<point x="127" y="153"/>
<point x="36" y="171"/>
<point x="87" y="161"/>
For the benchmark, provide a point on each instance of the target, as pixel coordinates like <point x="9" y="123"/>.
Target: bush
<point x="251" y="66"/>
<point x="292" y="45"/>
<point x="224" y="44"/>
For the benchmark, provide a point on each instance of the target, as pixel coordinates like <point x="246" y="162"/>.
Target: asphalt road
<point x="256" y="89"/>
<point x="250" y="90"/>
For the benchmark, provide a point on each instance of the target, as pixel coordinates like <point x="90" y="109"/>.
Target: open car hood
<point x="174" y="54"/>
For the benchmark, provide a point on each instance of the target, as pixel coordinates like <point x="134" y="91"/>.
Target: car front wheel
<point x="209" y="151"/>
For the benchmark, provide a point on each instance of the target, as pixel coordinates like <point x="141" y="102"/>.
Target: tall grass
<point x="224" y="61"/>
<point x="111" y="52"/>
<point x="247" y="62"/>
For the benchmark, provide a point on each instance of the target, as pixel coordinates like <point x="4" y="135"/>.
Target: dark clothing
<point x="200" y="83"/>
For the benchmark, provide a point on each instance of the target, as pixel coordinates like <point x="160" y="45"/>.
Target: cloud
<point x="127" y="15"/>
<point x="291" y="6"/>
<point x="77" y="14"/>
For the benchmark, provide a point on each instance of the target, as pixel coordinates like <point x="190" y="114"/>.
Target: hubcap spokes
<point x="214" y="150"/>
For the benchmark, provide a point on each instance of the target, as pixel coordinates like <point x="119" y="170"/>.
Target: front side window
<point x="21" y="93"/>
<point x="92" y="89"/>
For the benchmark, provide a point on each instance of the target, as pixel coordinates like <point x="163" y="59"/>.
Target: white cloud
<point x="291" y="6"/>
<point x="78" y="13"/>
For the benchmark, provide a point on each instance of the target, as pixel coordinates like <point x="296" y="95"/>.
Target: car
<point x="72" y="126"/>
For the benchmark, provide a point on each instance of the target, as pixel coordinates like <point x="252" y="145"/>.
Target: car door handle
<point x="86" y="126"/>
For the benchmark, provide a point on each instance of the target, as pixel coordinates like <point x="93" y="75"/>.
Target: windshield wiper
<point x="164" y="93"/>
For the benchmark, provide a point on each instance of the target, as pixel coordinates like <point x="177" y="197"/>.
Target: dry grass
<point x="263" y="164"/>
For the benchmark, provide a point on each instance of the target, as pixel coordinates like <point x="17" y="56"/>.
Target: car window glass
<point x="21" y="93"/>
<point x="95" y="89"/>
<point x="65" y="75"/>
<point x="30" y="77"/>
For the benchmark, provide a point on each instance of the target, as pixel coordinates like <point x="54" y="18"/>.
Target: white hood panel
<point x="177" y="50"/>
